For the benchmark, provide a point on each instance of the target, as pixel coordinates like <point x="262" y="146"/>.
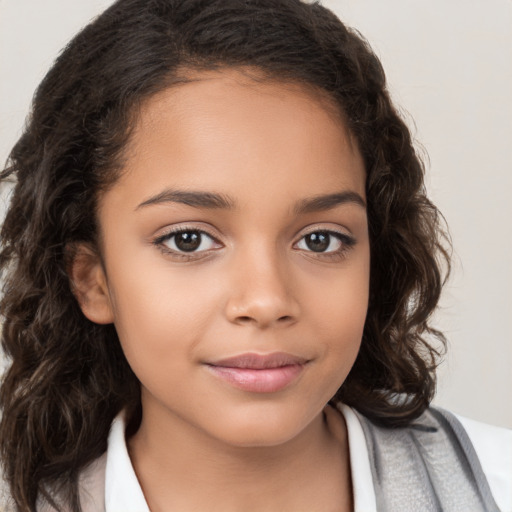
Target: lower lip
<point x="266" y="380"/>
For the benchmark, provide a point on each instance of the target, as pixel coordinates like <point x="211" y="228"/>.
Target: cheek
<point x="339" y="308"/>
<point x="340" y="298"/>
<point x="160" y="316"/>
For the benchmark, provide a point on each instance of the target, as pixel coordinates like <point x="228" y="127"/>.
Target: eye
<point x="325" y="242"/>
<point x="187" y="241"/>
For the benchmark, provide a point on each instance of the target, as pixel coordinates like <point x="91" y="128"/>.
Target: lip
<point x="259" y="373"/>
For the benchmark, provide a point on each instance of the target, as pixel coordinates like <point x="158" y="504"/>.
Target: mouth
<point x="257" y="373"/>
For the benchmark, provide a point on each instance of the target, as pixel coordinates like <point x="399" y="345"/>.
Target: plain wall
<point x="449" y="66"/>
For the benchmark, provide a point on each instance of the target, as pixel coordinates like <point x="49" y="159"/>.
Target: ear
<point x="89" y="284"/>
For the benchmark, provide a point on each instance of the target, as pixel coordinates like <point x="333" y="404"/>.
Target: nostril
<point x="246" y="319"/>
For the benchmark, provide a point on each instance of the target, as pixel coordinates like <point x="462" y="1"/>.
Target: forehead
<point x="194" y="87"/>
<point x="229" y="128"/>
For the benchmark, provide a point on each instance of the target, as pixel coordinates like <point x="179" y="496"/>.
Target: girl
<point x="220" y="266"/>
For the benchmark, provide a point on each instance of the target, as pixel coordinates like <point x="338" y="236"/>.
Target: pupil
<point x="188" y="241"/>
<point x="318" y="242"/>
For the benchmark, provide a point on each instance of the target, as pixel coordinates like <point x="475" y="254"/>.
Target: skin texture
<point x="254" y="286"/>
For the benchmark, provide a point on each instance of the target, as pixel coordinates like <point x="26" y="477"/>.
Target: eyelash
<point x="347" y="243"/>
<point x="160" y="242"/>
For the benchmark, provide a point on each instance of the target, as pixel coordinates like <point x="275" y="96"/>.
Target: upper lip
<point x="254" y="361"/>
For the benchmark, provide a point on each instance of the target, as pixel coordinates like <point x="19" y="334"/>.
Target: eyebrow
<point x="209" y="200"/>
<point x="328" y="201"/>
<point x="212" y="200"/>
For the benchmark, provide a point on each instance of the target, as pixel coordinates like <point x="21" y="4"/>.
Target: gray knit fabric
<point x="429" y="466"/>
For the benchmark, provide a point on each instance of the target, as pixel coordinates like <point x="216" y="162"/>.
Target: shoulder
<point x="454" y="458"/>
<point x="92" y="485"/>
<point x="493" y="446"/>
<point x="6" y="502"/>
<point x="91" y="489"/>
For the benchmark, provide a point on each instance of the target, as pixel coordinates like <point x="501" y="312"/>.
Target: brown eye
<point x="325" y="242"/>
<point x="318" y="242"/>
<point x="187" y="241"/>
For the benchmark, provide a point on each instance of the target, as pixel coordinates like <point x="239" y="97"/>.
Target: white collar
<point x="122" y="489"/>
<point x="360" y="469"/>
<point x="124" y="494"/>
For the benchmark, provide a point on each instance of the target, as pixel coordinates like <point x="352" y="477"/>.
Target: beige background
<point x="449" y="64"/>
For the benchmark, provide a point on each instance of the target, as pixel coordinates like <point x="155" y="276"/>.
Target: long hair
<point x="68" y="377"/>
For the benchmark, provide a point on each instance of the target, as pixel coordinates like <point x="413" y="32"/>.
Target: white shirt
<point x="493" y="446"/>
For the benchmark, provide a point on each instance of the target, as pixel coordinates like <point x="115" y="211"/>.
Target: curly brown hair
<point x="68" y="377"/>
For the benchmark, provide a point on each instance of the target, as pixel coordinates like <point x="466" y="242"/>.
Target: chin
<point x="258" y="438"/>
<point x="252" y="429"/>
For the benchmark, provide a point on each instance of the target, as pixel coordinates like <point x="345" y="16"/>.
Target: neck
<point x="183" y="468"/>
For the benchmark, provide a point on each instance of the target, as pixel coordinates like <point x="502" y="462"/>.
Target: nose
<point x="261" y="291"/>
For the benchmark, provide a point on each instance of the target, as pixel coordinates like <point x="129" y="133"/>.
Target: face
<point x="236" y="257"/>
